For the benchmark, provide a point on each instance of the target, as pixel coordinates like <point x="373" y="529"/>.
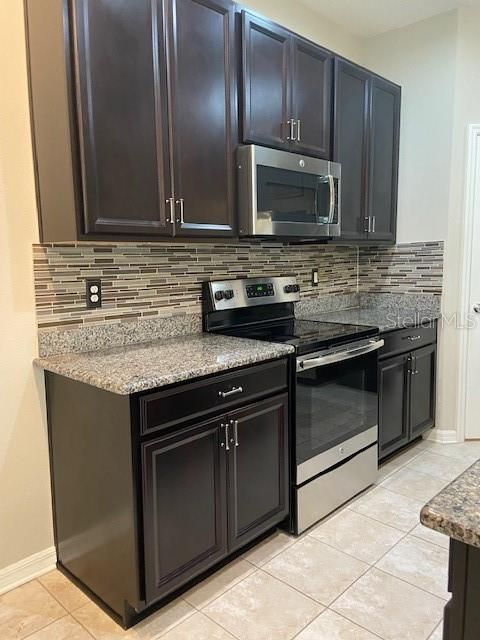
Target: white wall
<point x="466" y="111"/>
<point x="25" y="511"/>
<point x="422" y="59"/>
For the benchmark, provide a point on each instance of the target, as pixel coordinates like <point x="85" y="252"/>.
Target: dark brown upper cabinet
<point x="203" y="115"/>
<point x="366" y="143"/>
<point x="133" y="137"/>
<point x="383" y="156"/>
<point x="286" y="97"/>
<point x="121" y="107"/>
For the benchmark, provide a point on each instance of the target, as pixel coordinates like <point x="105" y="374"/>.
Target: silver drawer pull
<point x="232" y="392"/>
<point x="414" y="338"/>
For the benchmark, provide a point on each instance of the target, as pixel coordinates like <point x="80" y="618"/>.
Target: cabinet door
<point x="351" y="145"/>
<point x="393" y="386"/>
<point x="121" y="105"/>
<point x="266" y="95"/>
<point x="422" y="395"/>
<point x="383" y="159"/>
<point x="257" y="469"/>
<point x="184" y="503"/>
<point x="202" y="88"/>
<point x="311" y="98"/>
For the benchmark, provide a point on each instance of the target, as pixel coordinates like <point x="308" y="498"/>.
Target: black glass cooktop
<point x="305" y="335"/>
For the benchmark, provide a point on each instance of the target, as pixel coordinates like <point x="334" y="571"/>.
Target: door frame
<point x="471" y="206"/>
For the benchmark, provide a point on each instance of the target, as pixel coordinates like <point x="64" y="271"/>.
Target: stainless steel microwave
<point x="286" y="195"/>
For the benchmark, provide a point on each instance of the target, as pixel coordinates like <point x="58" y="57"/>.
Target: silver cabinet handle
<point x="291" y="124"/>
<point x="232" y="392"/>
<point x="374" y="223"/>
<point x="227" y="437"/>
<point x="235" y="431"/>
<point x="368" y="225"/>
<point x="414" y="338"/>
<point x="171" y="202"/>
<point x="181" y="202"/>
<point x="299" y="136"/>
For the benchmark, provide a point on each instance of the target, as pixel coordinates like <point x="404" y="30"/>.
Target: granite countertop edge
<point x="109" y="369"/>
<point x="455" y="511"/>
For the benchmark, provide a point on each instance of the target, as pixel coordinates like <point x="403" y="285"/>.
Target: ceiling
<point x="370" y="17"/>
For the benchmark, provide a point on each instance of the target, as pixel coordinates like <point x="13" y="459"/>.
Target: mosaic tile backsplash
<point x="405" y="268"/>
<point x="148" y="281"/>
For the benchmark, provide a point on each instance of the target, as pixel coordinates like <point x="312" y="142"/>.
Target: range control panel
<point x="260" y="290"/>
<point x="248" y="292"/>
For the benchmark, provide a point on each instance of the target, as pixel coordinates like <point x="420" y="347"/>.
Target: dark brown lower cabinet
<point x="212" y="488"/>
<point x="185" y="517"/>
<point x="257" y="470"/>
<point x="393" y="382"/>
<point x="147" y="497"/>
<point x="406" y="397"/>
<point x="422" y="393"/>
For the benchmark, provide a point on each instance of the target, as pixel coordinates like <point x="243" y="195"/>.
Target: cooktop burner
<point x="305" y="335"/>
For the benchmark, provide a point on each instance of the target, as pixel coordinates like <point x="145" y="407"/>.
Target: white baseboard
<point x="443" y="436"/>
<point x="27" y="569"/>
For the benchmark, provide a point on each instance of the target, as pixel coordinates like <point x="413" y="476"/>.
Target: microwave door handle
<point x="331" y="213"/>
<point x="303" y="364"/>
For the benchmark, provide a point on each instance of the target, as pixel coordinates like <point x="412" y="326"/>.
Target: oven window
<point x="335" y="403"/>
<point x="292" y="196"/>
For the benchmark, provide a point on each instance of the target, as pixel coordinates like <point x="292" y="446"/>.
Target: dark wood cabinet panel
<point x="393" y="382"/>
<point x="351" y="116"/>
<point x="203" y="114"/>
<point x="185" y="519"/>
<point x="121" y="105"/>
<point x="312" y="98"/>
<point x="383" y="159"/>
<point x="422" y="395"/>
<point x="266" y="95"/>
<point x="257" y="469"/>
<point x="366" y="143"/>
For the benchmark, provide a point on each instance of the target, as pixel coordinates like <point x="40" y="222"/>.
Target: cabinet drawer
<point x="403" y="340"/>
<point x="166" y="408"/>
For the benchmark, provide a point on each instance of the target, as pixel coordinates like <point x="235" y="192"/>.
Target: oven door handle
<point x="312" y="363"/>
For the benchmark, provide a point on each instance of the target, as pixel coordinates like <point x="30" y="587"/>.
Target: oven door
<point x="288" y="195"/>
<point x="336" y="406"/>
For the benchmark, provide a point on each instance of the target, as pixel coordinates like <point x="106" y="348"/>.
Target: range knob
<point x="291" y="288"/>
<point x="228" y="294"/>
<point x="219" y="295"/>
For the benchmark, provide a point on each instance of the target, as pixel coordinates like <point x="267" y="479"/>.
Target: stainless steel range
<point x="334" y="383"/>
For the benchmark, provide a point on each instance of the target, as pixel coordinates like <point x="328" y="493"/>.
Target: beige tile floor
<point x="370" y="571"/>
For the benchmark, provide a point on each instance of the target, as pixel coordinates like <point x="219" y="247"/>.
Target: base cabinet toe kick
<point x="147" y="501"/>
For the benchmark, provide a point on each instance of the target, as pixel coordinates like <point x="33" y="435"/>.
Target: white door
<point x="470" y="356"/>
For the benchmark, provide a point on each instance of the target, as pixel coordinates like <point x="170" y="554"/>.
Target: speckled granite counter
<point x="455" y="511"/>
<point x="126" y="370"/>
<point x="384" y="319"/>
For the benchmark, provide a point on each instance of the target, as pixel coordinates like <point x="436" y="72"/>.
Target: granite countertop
<point x="140" y="367"/>
<point x="455" y="511"/>
<point x="384" y="319"/>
